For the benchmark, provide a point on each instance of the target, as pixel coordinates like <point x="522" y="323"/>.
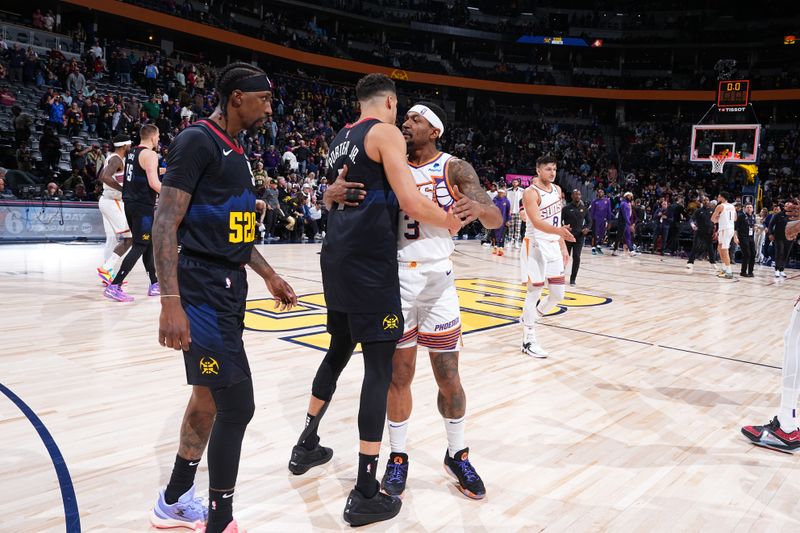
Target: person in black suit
<point x="576" y="214"/>
<point x="745" y="230"/>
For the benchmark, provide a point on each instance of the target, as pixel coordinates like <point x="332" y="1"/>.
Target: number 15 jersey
<point x="418" y="242"/>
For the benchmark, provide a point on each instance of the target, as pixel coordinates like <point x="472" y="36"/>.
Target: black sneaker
<point x="469" y="482"/>
<point x="394" y="480"/>
<point x="360" y="510"/>
<point x="772" y="436"/>
<point x="302" y="459"/>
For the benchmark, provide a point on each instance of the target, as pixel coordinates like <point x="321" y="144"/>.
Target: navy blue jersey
<point x="359" y="253"/>
<point x="207" y="163"/>
<point x="135" y="188"/>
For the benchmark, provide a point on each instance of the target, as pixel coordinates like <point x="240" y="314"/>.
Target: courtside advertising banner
<point x="50" y="221"/>
<point x="524" y="179"/>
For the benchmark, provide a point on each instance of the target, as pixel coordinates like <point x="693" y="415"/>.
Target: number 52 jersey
<point x="207" y="163"/>
<point x="418" y="242"/>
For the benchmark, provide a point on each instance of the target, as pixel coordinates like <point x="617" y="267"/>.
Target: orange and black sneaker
<point x="469" y="482"/>
<point x="394" y="479"/>
<point x="772" y="436"/>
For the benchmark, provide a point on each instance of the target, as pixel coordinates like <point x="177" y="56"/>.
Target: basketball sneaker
<point x="154" y="290"/>
<point x="394" y="479"/>
<point x="469" y="482"/>
<point x="186" y="512"/>
<point x="690" y="267"/>
<point x="772" y="436"/>
<point x="725" y="274"/>
<point x="594" y="251"/>
<point x="531" y="347"/>
<point x="600" y="251"/>
<point x="233" y="527"/>
<point x="360" y="510"/>
<point x="500" y="252"/>
<point x="304" y="459"/>
<point x="106" y="276"/>
<point x="494" y="252"/>
<point x="115" y="292"/>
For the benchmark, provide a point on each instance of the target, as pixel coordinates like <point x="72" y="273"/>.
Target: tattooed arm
<point x="472" y="201"/>
<point x="283" y="293"/>
<point x="173" y="327"/>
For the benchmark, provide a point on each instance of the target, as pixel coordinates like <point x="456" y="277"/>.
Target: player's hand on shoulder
<point x="284" y="295"/>
<point x="173" y="326"/>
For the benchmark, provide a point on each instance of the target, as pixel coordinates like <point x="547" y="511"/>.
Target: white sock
<point x="790" y="375"/>
<point x="397" y="435"/>
<point x="111" y="262"/>
<point x="455" y="434"/>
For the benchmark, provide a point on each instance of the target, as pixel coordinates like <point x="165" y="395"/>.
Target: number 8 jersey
<point x="418" y="242"/>
<point x="550" y="208"/>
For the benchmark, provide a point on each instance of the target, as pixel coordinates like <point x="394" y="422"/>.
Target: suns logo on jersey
<point x="485" y="304"/>
<point x="443" y="196"/>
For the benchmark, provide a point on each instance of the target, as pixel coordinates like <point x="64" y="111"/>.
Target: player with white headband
<point x="118" y="235"/>
<point x="430" y="302"/>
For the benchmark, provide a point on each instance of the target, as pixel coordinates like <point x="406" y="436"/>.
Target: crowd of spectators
<point x="288" y="153"/>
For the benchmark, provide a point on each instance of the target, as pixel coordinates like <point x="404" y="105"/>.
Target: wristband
<point x="170" y="295"/>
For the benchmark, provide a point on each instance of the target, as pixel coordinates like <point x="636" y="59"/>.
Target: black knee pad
<point x="235" y="404"/>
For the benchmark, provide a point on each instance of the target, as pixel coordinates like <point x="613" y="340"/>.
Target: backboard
<point x="740" y="141"/>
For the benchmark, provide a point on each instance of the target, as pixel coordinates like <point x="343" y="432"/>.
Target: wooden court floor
<point x="632" y="424"/>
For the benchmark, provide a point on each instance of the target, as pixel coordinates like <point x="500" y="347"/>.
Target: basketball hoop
<point x="718" y="161"/>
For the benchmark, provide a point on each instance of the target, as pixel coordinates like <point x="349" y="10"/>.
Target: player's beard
<point x="252" y="130"/>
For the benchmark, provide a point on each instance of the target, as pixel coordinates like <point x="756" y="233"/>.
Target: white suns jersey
<point x="108" y="192"/>
<point x="423" y="242"/>
<point x="550" y="208"/>
<point x="726" y="216"/>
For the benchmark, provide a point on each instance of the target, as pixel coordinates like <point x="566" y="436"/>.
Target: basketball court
<point x="632" y="424"/>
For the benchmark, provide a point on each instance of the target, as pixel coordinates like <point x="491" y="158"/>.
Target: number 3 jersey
<point x="207" y="163"/>
<point x="420" y="242"/>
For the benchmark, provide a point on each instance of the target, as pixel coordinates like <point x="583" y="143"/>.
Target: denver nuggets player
<point x="544" y="251"/>
<point x="430" y="303"/>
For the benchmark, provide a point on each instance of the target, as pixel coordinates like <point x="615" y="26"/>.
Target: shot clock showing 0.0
<point x="733" y="93"/>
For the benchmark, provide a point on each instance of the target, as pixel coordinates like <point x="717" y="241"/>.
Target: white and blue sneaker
<point x="186" y="512"/>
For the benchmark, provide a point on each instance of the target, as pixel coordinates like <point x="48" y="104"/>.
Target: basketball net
<point x="718" y="162"/>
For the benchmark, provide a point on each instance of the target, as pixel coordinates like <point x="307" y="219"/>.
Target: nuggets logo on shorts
<point x="390" y="322"/>
<point x="145" y="236"/>
<point x="209" y="365"/>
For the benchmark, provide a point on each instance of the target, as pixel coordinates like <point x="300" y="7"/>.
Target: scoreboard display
<point x="733" y="95"/>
